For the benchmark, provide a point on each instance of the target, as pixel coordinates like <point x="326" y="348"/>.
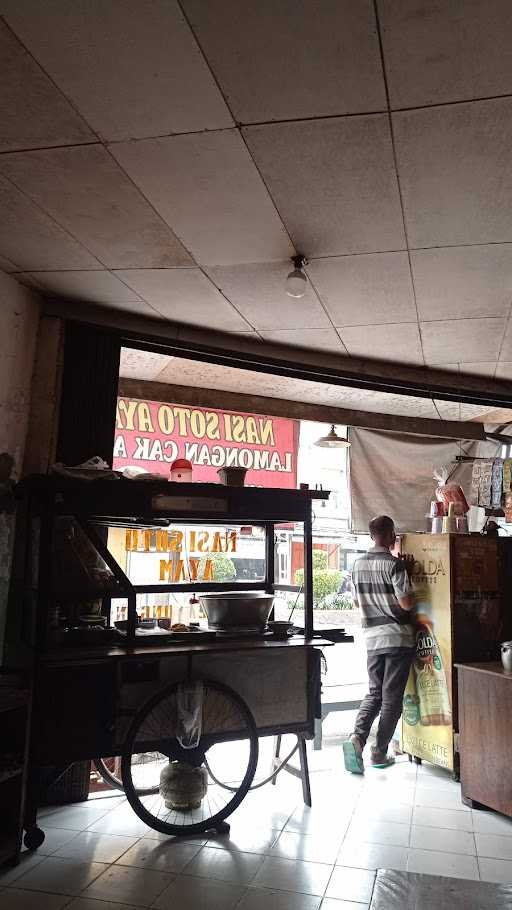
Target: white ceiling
<point x="167" y="158"/>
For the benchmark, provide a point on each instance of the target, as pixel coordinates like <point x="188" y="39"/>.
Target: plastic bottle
<point x="429" y="673"/>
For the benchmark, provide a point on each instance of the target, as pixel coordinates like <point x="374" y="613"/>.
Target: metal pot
<point x="506" y="656"/>
<point x="234" y="609"/>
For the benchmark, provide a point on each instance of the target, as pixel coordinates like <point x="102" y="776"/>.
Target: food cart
<point x="183" y="710"/>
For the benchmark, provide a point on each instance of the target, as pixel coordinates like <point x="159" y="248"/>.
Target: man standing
<point x="382" y="590"/>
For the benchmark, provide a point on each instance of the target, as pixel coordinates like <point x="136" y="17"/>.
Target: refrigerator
<point x="462" y="586"/>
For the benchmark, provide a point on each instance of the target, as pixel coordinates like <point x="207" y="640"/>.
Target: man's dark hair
<point x="380" y="525"/>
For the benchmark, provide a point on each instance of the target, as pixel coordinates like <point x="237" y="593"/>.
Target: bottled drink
<point x="429" y="673"/>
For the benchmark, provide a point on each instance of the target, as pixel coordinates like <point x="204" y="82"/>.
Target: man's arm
<point x="407" y="602"/>
<point x="402" y="582"/>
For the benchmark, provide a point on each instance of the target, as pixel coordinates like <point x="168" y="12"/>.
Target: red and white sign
<point x="152" y="434"/>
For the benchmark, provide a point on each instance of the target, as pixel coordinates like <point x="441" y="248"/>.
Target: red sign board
<point x="152" y="434"/>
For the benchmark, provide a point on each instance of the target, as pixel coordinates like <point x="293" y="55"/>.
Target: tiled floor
<point x="279" y="856"/>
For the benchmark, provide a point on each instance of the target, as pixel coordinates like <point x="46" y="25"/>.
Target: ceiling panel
<point x="141" y="364"/>
<point x="453" y="410"/>
<point x="504" y="369"/>
<point x="481" y="368"/>
<point x="7" y="266"/>
<point x="314" y="339"/>
<point x="208" y="190"/>
<point x="97" y="287"/>
<point x="400" y="342"/>
<point x="259" y="293"/>
<point x="466" y="340"/>
<point x="32" y="240"/>
<point x="370" y="289"/>
<point x="251" y="48"/>
<point x="438" y="52"/>
<point x="184" y="295"/>
<point x="455" y="165"/>
<point x="132" y="69"/>
<point x="34" y="112"/>
<point x="505" y="353"/>
<point x="333" y="182"/>
<point x="85" y="191"/>
<point x="454" y="283"/>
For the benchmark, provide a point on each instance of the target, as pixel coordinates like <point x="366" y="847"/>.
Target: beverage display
<point x="429" y="674"/>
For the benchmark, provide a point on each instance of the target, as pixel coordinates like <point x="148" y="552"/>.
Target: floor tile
<point x="446" y="840"/>
<point x="131" y="886"/>
<point x="53" y="839"/>
<point x="392" y="796"/>
<point x="495" y="846"/>
<point x="443" y="818"/>
<point x="373" y="832"/>
<point x="398" y="814"/>
<point x="329" y="903"/>
<point x="75" y="818"/>
<point x="350" y="884"/>
<point x="224" y="865"/>
<point x="453" y="865"/>
<point x="28" y="860"/>
<point x="99" y="848"/>
<point x="311" y="821"/>
<point x="88" y="903"/>
<point x="309" y="847"/>
<point x="262" y="899"/>
<point x="248" y="840"/>
<point x="495" y="870"/>
<point x="372" y="856"/>
<point x="168" y="857"/>
<point x="293" y="875"/>
<point x="440" y="799"/>
<point x="198" y="839"/>
<point x="15" y="899"/>
<point x="188" y="893"/>
<point x="119" y="821"/>
<point x="491" y="823"/>
<point x="57" y="875"/>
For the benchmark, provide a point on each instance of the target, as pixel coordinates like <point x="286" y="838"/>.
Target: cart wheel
<point x="110" y="770"/>
<point x="227" y="735"/>
<point x="34" y="837"/>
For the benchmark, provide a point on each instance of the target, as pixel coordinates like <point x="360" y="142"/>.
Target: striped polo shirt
<point x="379" y="579"/>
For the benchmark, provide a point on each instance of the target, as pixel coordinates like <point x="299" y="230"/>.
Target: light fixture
<point x="332" y="441"/>
<point x="296" y="281"/>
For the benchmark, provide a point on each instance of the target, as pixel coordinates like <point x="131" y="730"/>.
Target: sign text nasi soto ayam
<point x="152" y="434"/>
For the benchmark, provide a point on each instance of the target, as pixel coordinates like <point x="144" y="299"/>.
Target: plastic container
<point x="181" y="471"/>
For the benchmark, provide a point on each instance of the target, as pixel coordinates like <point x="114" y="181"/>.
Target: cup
<point x="437" y="525"/>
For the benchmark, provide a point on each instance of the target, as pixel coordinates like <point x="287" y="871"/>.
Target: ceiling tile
<point x="34" y="113"/>
<point x="455" y="282"/>
<point x="7" y="266"/>
<point x="132" y="69"/>
<point x="94" y="287"/>
<point x="258" y="292"/>
<point x="504" y="369"/>
<point x="505" y="353"/>
<point x="208" y="190"/>
<point x="438" y="52"/>
<point x="184" y="295"/>
<point x="481" y="368"/>
<point x="141" y="364"/>
<point x="333" y="182"/>
<point x="252" y="47"/>
<point x="365" y="290"/>
<point x="32" y="240"/>
<point x="87" y="193"/>
<point x="455" y="165"/>
<point x="464" y="340"/>
<point x="399" y="342"/>
<point x="453" y="410"/>
<point x="315" y="339"/>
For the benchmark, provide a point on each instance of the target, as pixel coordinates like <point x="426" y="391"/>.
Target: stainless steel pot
<point x="506" y="656"/>
<point x="234" y="609"/>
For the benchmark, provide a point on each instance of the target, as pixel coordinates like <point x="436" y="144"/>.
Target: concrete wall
<point x="19" y="318"/>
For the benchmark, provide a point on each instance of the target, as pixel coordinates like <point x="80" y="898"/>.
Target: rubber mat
<point x="409" y="891"/>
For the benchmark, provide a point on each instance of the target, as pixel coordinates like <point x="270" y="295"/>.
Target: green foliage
<point x="326" y="581"/>
<point x="223" y="567"/>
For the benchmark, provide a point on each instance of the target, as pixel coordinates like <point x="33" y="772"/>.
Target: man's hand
<point x="407" y="561"/>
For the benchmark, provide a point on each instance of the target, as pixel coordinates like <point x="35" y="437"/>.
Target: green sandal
<point x="353" y="759"/>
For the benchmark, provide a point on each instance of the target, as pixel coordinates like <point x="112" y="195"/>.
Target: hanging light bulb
<point x="332" y="441"/>
<point x="296" y="281"/>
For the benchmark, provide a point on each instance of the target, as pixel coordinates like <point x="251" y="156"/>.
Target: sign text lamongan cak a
<point x="152" y="434"/>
